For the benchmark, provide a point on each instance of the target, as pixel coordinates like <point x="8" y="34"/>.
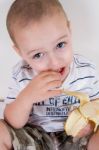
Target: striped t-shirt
<point x="52" y="113"/>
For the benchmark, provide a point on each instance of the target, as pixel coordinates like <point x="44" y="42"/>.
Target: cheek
<point x="68" y="56"/>
<point x="39" y="67"/>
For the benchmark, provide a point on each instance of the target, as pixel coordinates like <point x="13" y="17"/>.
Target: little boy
<point x="36" y="109"/>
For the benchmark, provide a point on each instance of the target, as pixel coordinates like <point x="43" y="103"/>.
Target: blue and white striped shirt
<point x="52" y="113"/>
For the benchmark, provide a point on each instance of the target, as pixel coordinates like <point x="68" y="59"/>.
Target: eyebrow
<point x="55" y="41"/>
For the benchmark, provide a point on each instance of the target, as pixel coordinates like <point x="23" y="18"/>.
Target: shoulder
<point x="22" y="70"/>
<point x="84" y="70"/>
<point x="84" y="65"/>
<point x="82" y="61"/>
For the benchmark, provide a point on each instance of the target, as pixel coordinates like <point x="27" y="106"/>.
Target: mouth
<point x="61" y="70"/>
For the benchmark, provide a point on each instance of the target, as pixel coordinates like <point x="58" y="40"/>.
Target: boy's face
<point x="46" y="45"/>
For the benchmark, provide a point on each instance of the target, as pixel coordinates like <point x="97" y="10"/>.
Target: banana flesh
<point x="79" y="117"/>
<point x="75" y="123"/>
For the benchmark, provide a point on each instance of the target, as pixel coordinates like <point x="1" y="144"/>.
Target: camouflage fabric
<point x="35" y="138"/>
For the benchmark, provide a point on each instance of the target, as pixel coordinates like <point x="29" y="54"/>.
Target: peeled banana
<point x="79" y="117"/>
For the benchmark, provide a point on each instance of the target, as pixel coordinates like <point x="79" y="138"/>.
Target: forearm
<point x="39" y="89"/>
<point x="17" y="112"/>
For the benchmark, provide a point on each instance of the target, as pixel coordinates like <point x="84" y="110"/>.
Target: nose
<point x="54" y="62"/>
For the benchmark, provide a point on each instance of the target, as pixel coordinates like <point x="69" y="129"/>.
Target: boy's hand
<point x="40" y="88"/>
<point x="43" y="86"/>
<point x="87" y="130"/>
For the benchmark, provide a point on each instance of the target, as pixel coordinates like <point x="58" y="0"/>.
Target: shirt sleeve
<point x="95" y="86"/>
<point x="13" y="90"/>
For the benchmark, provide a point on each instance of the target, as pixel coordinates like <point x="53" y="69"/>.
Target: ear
<point x="18" y="51"/>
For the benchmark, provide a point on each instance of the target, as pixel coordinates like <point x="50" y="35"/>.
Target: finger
<point x="52" y="85"/>
<point x="53" y="93"/>
<point x="86" y="130"/>
<point x="50" y="74"/>
<point x="52" y="78"/>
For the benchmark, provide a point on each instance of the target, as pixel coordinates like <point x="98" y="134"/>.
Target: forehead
<point x="43" y="32"/>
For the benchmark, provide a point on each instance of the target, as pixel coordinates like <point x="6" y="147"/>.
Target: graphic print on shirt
<point x="55" y="107"/>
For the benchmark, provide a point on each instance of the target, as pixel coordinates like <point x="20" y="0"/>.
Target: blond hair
<point x="22" y="12"/>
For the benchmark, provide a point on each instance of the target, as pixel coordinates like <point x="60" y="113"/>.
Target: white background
<point x="84" y="17"/>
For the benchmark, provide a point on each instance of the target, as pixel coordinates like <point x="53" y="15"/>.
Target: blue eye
<point x="38" y="55"/>
<point x="61" y="45"/>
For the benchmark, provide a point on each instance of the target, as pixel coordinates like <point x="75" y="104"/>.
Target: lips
<point x="61" y="70"/>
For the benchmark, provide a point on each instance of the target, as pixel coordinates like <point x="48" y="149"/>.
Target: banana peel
<point x="79" y="117"/>
<point x="91" y="112"/>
